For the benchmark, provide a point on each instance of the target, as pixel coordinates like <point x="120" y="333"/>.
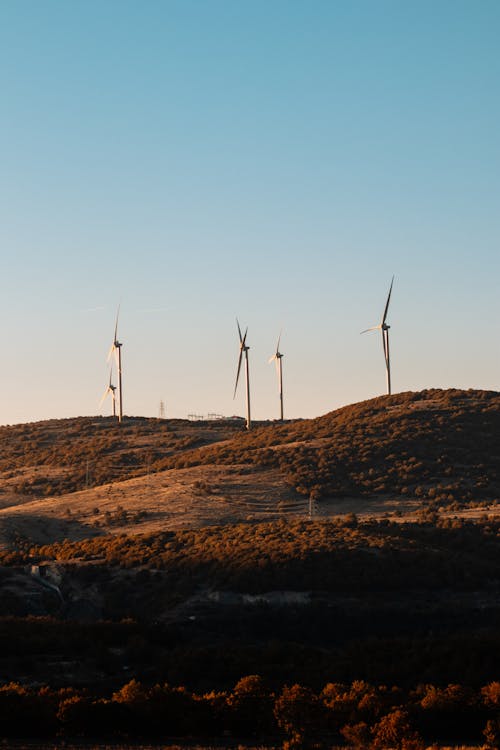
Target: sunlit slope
<point x="55" y="457"/>
<point x="438" y="447"/>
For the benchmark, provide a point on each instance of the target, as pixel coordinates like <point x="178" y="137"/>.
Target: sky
<point x="276" y="160"/>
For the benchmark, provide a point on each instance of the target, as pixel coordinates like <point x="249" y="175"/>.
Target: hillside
<point x="401" y="603"/>
<point x="440" y="447"/>
<point x="58" y="456"/>
<point x="402" y="456"/>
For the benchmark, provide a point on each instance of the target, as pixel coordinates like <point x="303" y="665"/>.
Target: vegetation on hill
<point x="441" y="447"/>
<point x="65" y="455"/>
<point x="340" y="555"/>
<point x="388" y="602"/>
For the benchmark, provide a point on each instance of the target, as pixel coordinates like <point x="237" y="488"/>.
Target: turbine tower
<point x="385" y="338"/>
<point x="244" y="350"/>
<point x="110" y="390"/>
<point x="277" y="357"/>
<point x="116" y="348"/>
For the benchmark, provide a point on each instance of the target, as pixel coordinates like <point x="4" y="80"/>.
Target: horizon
<point x="240" y="418"/>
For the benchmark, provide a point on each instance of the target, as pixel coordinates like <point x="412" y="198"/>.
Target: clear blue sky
<point x="276" y="160"/>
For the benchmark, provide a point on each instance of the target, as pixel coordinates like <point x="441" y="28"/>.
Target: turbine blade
<point x="239" y="330"/>
<point x="278" y="344"/>
<point x="103" y="399"/>
<point x="244" y="337"/>
<point x="116" y="324"/>
<point x="374" y="328"/>
<point x="110" y="353"/>
<point x="271" y="359"/>
<point x="238" y="372"/>
<point x="388" y="300"/>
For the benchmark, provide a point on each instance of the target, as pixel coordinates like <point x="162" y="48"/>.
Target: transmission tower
<point x="161" y="411"/>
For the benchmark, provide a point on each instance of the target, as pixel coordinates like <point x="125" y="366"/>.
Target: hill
<point x="404" y="455"/>
<point x="58" y="456"/>
<point x="440" y="447"/>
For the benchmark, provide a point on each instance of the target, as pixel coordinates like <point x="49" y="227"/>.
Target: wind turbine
<point x="243" y="350"/>
<point x="385" y="338"/>
<point x="277" y="357"/>
<point x="116" y="348"/>
<point x="110" y="390"/>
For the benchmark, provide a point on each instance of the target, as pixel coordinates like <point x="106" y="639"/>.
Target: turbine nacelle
<point x="276" y="357"/>
<point x="110" y="390"/>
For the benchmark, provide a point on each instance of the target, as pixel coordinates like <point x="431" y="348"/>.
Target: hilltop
<point x="436" y="446"/>
<point x="400" y="455"/>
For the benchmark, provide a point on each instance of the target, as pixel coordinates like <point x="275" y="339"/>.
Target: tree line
<point x="358" y="714"/>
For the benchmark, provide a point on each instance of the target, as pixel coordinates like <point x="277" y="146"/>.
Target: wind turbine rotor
<point x="384" y="328"/>
<point x="243" y="348"/>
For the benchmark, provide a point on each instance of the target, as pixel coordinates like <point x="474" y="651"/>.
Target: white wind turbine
<point x="110" y="390"/>
<point x="116" y="348"/>
<point x="244" y="350"/>
<point x="385" y="338"/>
<point x="277" y="357"/>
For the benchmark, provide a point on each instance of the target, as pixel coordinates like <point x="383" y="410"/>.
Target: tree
<point x="491" y="733"/>
<point x="395" y="732"/>
<point x="357" y="735"/>
<point x="300" y="714"/>
<point x="491" y="695"/>
<point x="251" y="707"/>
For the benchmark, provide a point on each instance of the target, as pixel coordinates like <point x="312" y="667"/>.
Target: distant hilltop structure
<point x="213" y="417"/>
